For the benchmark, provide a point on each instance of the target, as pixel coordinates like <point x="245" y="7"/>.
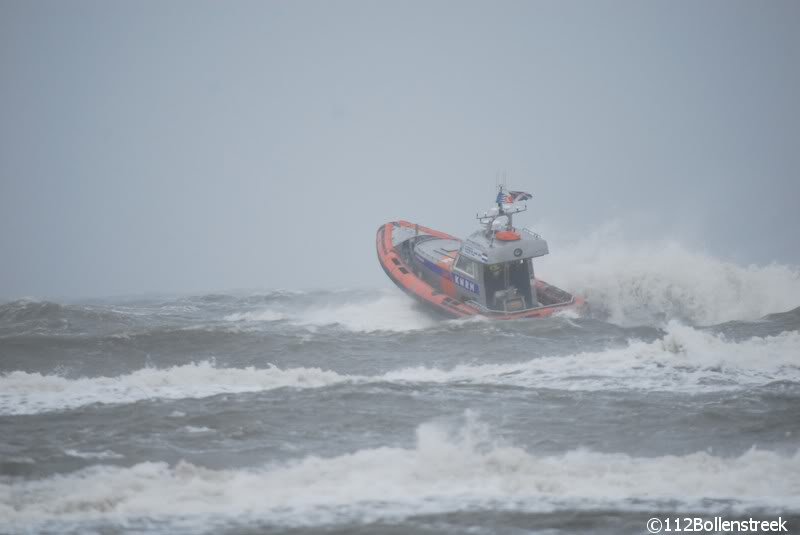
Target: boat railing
<point x="531" y="233"/>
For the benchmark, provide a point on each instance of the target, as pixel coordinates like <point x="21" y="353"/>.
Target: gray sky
<point x="196" y="146"/>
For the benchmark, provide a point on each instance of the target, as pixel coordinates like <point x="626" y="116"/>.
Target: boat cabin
<point x="492" y="269"/>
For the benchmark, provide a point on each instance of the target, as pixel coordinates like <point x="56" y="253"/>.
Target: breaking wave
<point x="105" y="454"/>
<point x="451" y="468"/>
<point x="32" y="316"/>
<point x="261" y="315"/>
<point x="386" y="311"/>
<point x="624" y="282"/>
<point x="684" y="360"/>
<point x="389" y="312"/>
<point x="29" y="393"/>
<point x="647" y="283"/>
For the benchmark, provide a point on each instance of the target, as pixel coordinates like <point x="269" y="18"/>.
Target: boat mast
<point x="488" y="219"/>
<point x="500" y="210"/>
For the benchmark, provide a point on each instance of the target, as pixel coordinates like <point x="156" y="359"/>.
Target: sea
<point x="674" y="394"/>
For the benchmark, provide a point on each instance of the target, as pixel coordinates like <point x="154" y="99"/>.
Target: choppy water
<point x="353" y="411"/>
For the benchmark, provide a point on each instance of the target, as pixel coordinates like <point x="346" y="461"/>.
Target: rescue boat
<point x="489" y="274"/>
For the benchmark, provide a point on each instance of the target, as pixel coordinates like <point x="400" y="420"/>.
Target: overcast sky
<point x="191" y="146"/>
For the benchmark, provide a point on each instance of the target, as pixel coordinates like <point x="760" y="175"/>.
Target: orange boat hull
<point x="402" y="274"/>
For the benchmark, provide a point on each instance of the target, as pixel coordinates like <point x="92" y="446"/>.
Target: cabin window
<point x="467" y="267"/>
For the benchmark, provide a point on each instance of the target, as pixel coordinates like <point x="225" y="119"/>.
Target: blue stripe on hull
<point x="459" y="280"/>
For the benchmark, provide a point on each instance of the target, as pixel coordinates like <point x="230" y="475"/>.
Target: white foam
<point x="385" y="311"/>
<point x="196" y="429"/>
<point x="392" y="311"/>
<point x="259" y="315"/>
<point x="448" y="470"/>
<point x="629" y="282"/>
<point x="642" y="283"/>
<point x="29" y="393"/>
<point x="685" y="360"/>
<point x="105" y="454"/>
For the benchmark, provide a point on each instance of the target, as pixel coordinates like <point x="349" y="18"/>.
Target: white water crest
<point x="387" y="311"/>
<point x="105" y="454"/>
<point x="449" y="469"/>
<point x="29" y="393"/>
<point x="684" y="360"/>
<point x="624" y="281"/>
<point x="655" y="281"/>
<point x="390" y="311"/>
<point x="260" y="315"/>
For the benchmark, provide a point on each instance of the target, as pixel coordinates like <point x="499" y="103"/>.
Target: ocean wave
<point x="623" y="282"/>
<point x="379" y="311"/>
<point x="451" y="468"/>
<point x="105" y="454"/>
<point x="33" y="317"/>
<point x="191" y="429"/>
<point x="31" y="310"/>
<point x="684" y="360"/>
<point x="648" y="283"/>
<point x="260" y="315"/>
<point x="30" y="393"/>
<point x="389" y="312"/>
<point x="26" y="309"/>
